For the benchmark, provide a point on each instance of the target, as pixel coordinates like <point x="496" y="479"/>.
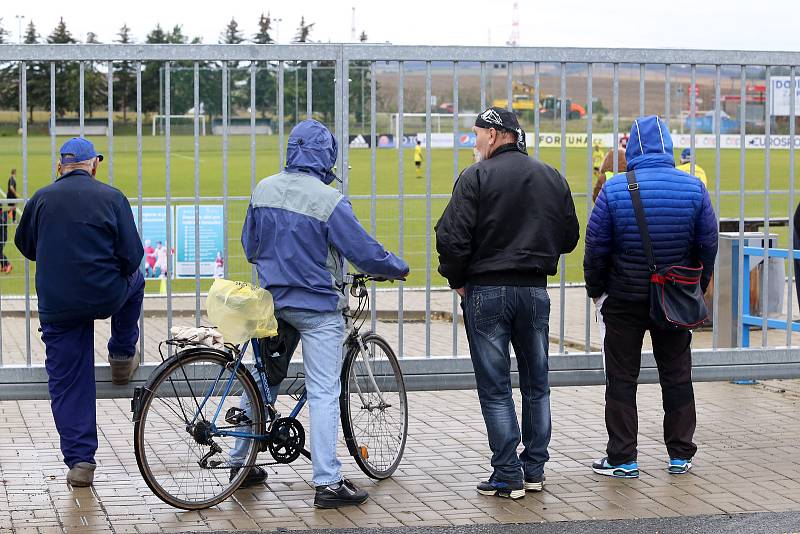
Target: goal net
<point x="179" y="124"/>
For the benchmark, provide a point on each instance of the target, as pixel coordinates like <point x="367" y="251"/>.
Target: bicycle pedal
<point x="237" y="416"/>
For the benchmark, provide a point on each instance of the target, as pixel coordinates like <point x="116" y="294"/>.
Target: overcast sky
<point x="710" y="24"/>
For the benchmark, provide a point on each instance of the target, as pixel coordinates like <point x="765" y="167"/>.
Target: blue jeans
<point x="495" y="316"/>
<point x="321" y="334"/>
<point x="69" y="347"/>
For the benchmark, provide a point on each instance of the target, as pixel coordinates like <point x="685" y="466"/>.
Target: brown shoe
<point x="81" y="475"/>
<point x="122" y="369"/>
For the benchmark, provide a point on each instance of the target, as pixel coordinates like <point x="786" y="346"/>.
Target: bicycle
<point x="201" y="420"/>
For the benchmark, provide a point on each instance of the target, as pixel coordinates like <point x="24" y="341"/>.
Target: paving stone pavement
<point x="747" y="462"/>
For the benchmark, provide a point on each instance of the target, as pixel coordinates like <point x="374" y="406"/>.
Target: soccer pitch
<point x="387" y="223"/>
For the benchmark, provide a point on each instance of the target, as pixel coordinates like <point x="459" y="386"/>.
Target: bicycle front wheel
<point x="374" y="407"/>
<point x="186" y="409"/>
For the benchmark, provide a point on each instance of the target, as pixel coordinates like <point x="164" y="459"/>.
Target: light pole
<point x="22" y="112"/>
<point x="362" y="98"/>
<point x="20" y="18"/>
<point x="277" y="30"/>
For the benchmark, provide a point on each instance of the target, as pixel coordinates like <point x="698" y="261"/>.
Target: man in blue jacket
<point x="81" y="234"/>
<point x="297" y="232"/>
<point x="683" y="231"/>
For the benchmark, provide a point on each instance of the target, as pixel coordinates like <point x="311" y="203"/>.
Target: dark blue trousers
<point x="69" y="347"/>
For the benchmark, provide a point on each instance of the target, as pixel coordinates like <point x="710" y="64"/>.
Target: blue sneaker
<point x="678" y="466"/>
<point x="509" y="490"/>
<point x="629" y="470"/>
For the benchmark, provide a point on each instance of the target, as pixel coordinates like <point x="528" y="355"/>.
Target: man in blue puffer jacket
<point x="683" y="231"/>
<point x="297" y="232"/>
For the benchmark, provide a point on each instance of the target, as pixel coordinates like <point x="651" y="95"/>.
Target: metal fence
<point x="422" y="321"/>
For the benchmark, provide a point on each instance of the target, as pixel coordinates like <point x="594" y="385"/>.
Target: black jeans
<point x="625" y="324"/>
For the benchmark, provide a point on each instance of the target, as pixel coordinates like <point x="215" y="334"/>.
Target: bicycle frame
<point x="262" y="377"/>
<point x="351" y="337"/>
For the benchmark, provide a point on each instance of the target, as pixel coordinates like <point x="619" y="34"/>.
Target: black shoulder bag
<point x="676" y="299"/>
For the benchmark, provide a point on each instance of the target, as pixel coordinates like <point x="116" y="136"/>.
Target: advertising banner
<point x="212" y="242"/>
<point x="154" y="240"/>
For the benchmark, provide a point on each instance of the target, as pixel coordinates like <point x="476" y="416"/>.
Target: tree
<point x="360" y="87"/>
<point x="125" y="74"/>
<point x="67" y="84"/>
<point x="4" y="32"/>
<point x="181" y="77"/>
<point x="60" y="34"/>
<point x="96" y="84"/>
<point x="232" y="34"/>
<point x="37" y="77"/>
<point x="150" y="75"/>
<point x="264" y="26"/>
<point x="157" y="36"/>
<point x="31" y="35"/>
<point x="5" y="70"/>
<point x="176" y="36"/>
<point x="303" y="31"/>
<point x="265" y="77"/>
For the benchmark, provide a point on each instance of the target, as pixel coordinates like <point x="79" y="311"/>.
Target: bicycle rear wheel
<point x="180" y="453"/>
<point x="374" y="407"/>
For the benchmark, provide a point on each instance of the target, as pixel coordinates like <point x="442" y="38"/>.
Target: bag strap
<point x="638" y="209"/>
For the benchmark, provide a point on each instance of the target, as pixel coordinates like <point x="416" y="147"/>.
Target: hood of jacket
<point x="649" y="145"/>
<point x="312" y="150"/>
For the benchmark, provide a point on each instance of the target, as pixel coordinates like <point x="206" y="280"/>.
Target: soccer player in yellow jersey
<point x="418" y="159"/>
<point x="597" y="155"/>
<point x="686" y="166"/>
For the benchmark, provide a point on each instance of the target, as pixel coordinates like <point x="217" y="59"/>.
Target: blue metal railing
<point x="747" y="320"/>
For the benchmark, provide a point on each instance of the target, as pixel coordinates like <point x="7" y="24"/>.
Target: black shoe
<point x="509" y="490"/>
<point x="256" y="476"/>
<point x="343" y="493"/>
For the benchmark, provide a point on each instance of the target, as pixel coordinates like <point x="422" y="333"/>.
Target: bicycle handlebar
<point x="350" y="278"/>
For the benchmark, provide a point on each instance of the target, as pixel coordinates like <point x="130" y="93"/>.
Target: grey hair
<point x="87" y="164"/>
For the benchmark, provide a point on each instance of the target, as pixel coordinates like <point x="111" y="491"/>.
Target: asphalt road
<point x="758" y="523"/>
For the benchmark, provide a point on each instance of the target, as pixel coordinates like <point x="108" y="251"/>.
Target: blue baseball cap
<point x="78" y="149"/>
<point x="686" y="154"/>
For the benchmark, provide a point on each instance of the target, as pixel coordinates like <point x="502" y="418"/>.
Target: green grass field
<point x="181" y="184"/>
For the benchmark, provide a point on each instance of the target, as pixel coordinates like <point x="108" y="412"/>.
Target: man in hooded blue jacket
<point x="683" y="231"/>
<point x="297" y="232"/>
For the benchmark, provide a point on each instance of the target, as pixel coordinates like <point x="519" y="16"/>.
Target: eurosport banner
<point x="781" y="87"/>
<point x="212" y="242"/>
<point x="154" y="239"/>
<point x="729" y="141"/>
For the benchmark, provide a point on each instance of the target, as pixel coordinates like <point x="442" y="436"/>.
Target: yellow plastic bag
<point x="241" y="311"/>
